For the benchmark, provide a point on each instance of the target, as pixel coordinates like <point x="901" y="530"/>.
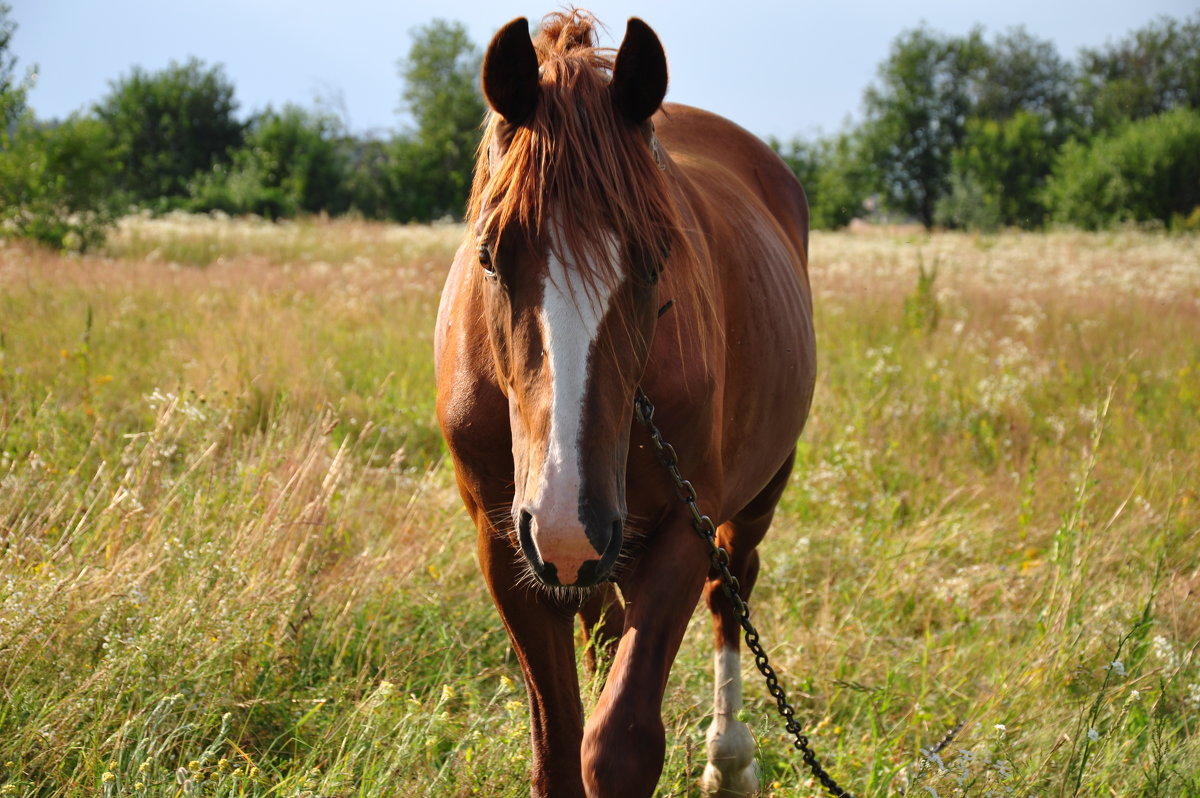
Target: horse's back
<point x="751" y="220"/>
<point x="695" y="136"/>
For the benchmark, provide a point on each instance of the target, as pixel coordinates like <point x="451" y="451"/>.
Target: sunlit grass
<point x="234" y="561"/>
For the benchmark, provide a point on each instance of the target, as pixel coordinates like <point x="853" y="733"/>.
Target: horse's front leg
<point x="624" y="742"/>
<point x="542" y="635"/>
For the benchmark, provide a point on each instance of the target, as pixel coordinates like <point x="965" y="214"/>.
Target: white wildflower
<point x="1116" y="666"/>
<point x="1193" y="696"/>
<point x="1165" y="652"/>
<point x="1093" y="735"/>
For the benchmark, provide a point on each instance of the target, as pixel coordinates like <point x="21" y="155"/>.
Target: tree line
<point x="963" y="132"/>
<point x="172" y="140"/>
<point x="960" y="132"/>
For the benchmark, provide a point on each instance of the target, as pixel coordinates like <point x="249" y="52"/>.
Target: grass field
<point x="233" y="560"/>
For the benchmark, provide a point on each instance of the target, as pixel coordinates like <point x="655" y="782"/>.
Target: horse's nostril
<point x="524" y="522"/>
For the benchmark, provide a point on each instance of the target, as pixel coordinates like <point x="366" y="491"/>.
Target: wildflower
<point x="1193" y="696"/>
<point x="145" y="766"/>
<point x="194" y="765"/>
<point x="447" y="692"/>
<point x="1001" y="729"/>
<point x="8" y="789"/>
<point x="1163" y="650"/>
<point x="139" y="786"/>
<point x="1116" y="666"/>
<point x="255" y="772"/>
<point x="1093" y="735"/>
<point x="506" y="683"/>
<point x="107" y="777"/>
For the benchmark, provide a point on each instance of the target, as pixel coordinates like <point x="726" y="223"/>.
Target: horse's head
<point x="571" y="220"/>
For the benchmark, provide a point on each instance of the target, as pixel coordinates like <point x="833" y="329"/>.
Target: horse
<point x="613" y="241"/>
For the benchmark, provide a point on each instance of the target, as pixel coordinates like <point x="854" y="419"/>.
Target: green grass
<point x="233" y="560"/>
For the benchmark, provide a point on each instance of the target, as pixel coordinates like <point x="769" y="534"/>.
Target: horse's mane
<point x="575" y="157"/>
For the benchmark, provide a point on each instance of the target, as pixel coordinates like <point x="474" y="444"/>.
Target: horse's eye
<point x="485" y="260"/>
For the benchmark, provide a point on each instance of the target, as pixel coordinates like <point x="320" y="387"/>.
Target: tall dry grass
<point x="233" y="560"/>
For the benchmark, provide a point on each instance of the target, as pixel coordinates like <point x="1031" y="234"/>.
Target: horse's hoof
<point x="731" y="769"/>
<point x="715" y="784"/>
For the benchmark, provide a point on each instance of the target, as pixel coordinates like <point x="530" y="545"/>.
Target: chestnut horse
<point x="613" y="241"/>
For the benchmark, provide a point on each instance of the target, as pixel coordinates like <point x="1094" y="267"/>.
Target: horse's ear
<point x="510" y="72"/>
<point x="639" y="80"/>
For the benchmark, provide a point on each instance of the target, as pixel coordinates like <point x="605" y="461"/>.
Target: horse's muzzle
<point x="561" y="561"/>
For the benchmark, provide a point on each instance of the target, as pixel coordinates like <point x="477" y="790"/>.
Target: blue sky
<point x="778" y="68"/>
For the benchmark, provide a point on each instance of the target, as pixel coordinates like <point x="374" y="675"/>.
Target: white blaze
<point x="570" y="321"/>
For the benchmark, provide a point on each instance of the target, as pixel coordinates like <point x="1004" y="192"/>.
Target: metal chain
<point x="643" y="410"/>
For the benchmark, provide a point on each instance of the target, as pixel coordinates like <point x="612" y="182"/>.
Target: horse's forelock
<point x="564" y="31"/>
<point x="575" y="158"/>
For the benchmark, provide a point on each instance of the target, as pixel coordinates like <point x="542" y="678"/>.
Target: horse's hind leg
<point x="731" y="768"/>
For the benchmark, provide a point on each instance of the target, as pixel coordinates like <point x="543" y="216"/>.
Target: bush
<point x="291" y="162"/>
<point x="998" y="174"/>
<point x="56" y="183"/>
<point x="1147" y="170"/>
<point x="970" y="204"/>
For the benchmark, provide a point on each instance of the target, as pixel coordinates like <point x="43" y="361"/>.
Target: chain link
<point x="643" y="411"/>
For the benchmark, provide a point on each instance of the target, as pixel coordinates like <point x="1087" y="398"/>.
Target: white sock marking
<point x="730" y="769"/>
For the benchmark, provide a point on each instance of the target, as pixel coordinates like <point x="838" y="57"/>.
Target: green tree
<point x="170" y="125"/>
<point x="441" y="92"/>
<point x="291" y="162"/>
<point x="916" y="116"/>
<point x="1154" y="69"/>
<point x="832" y="173"/>
<point x="1023" y="74"/>
<point x="56" y="182"/>
<point x="998" y="173"/>
<point x="1145" y="170"/>
<point x="369" y="176"/>
<point x="12" y="90"/>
